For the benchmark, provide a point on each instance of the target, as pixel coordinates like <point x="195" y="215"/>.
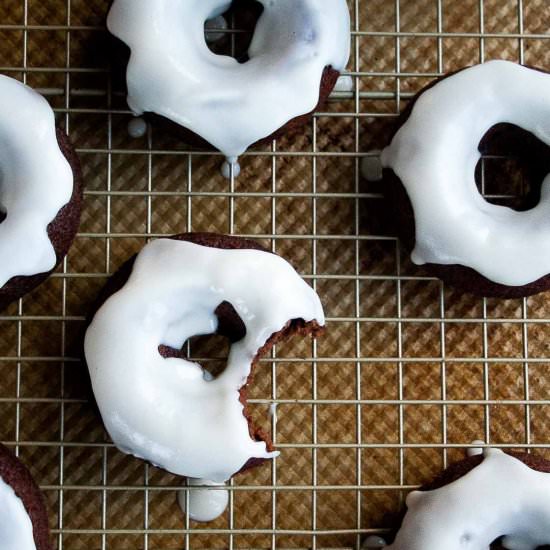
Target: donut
<point x="429" y="167"/>
<point x="40" y="191"/>
<point x="157" y="405"/>
<point x="297" y="52"/>
<point x="24" y="520"/>
<point x="477" y="501"/>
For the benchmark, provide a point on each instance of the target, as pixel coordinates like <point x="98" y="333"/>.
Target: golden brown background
<point x="409" y="371"/>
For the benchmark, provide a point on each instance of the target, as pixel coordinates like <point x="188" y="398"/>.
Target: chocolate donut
<point x="486" y="249"/>
<point x="24" y="524"/>
<point x="264" y="314"/>
<point x="296" y="55"/>
<point x="40" y="191"/>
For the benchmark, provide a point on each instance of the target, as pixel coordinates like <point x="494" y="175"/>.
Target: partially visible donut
<point x="23" y="516"/>
<point x="477" y="501"/>
<point x="157" y="405"/>
<point x="490" y="250"/>
<point x="297" y="52"/>
<point x="40" y="191"/>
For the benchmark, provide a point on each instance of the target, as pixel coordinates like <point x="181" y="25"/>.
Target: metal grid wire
<point x="409" y="372"/>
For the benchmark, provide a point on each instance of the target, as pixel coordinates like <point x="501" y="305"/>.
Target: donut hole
<point x="211" y="350"/>
<point x="513" y="166"/>
<point x="231" y="33"/>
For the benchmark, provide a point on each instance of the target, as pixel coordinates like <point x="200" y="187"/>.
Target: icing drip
<point x="475" y="451"/>
<point x="344" y="84"/>
<point x="137" y="127"/>
<point x="35" y="181"/>
<point x="501" y="496"/>
<point x="173" y="73"/>
<point x="273" y="412"/>
<point x="435" y="154"/>
<point x="204" y="504"/>
<point x="231" y="168"/>
<point x="165" y="410"/>
<point x="373" y="542"/>
<point x="16" y="530"/>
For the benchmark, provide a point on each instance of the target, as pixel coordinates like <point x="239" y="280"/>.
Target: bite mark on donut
<point x="292" y="328"/>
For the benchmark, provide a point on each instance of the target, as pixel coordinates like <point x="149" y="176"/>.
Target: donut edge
<point x="61" y="230"/>
<point x="290" y="128"/>
<point x="459" y="276"/>
<point x="229" y="319"/>
<point x="459" y="469"/>
<point x="15" y="474"/>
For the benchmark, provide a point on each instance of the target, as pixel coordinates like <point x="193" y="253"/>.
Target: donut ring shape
<point x="36" y="183"/>
<point x="164" y="409"/>
<point x="172" y="72"/>
<point x="479" y="500"/>
<point x="434" y="155"/>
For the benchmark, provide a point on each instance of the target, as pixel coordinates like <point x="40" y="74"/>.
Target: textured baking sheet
<point x="408" y="372"/>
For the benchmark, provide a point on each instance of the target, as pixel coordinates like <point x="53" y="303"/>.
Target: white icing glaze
<point x="204" y="504"/>
<point x="474" y="451"/>
<point x="173" y="73"/>
<point x="273" y="411"/>
<point x="36" y="180"/>
<point x="16" y="531"/>
<point x="435" y="154"/>
<point x="501" y="496"/>
<point x="373" y="542"/>
<point x="230" y="168"/>
<point x="344" y="84"/>
<point x="165" y="410"/>
<point x="137" y="127"/>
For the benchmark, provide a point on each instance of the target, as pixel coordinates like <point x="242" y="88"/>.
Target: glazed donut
<point x="479" y="500"/>
<point x="487" y="249"/>
<point x="24" y="520"/>
<point x="155" y="404"/>
<point x="172" y="72"/>
<point x="40" y="191"/>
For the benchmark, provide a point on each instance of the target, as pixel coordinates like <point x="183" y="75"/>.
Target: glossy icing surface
<point x="36" y="180"/>
<point x="173" y="73"/>
<point x="500" y="497"/>
<point x="166" y="410"/>
<point x="16" y="531"/>
<point x="435" y="153"/>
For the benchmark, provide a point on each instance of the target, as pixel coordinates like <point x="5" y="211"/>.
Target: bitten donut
<point x="475" y="502"/>
<point x="155" y="404"/>
<point x="297" y="51"/>
<point x="23" y="517"/>
<point x="487" y="249"/>
<point x="40" y="191"/>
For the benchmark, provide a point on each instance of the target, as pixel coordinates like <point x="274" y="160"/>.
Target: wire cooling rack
<point x="409" y="372"/>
